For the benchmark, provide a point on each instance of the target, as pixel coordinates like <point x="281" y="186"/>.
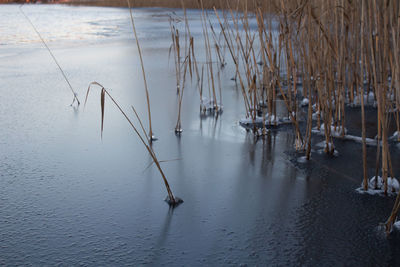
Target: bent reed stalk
<point x="146" y="141"/>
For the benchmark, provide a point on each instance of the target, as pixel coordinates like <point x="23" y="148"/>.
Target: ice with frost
<point x="368" y="100"/>
<point x="396" y="225"/>
<point x="322" y="151"/>
<point x="250" y="121"/>
<point x="305" y="102"/>
<point x="208" y="105"/>
<point x="271" y="119"/>
<point x="395" y="136"/>
<point x="393" y="186"/>
<point x="358" y="139"/>
<point x="315" y="115"/>
<point x="321" y="144"/>
<point x="335" y="131"/>
<point x="302" y="159"/>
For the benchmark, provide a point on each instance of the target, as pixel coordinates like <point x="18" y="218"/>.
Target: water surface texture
<point x="69" y="197"/>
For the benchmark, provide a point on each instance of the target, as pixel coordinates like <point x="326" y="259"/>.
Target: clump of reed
<point x="144" y="137"/>
<point x="214" y="61"/>
<point x="341" y="52"/>
<point x="189" y="63"/>
<point x="208" y="4"/>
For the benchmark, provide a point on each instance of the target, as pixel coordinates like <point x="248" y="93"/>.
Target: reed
<point x="209" y="58"/>
<point x="210" y="104"/>
<point x="53" y="57"/>
<point x="342" y="52"/>
<point x="208" y="4"/>
<point x="364" y="146"/>
<point x="144" y="138"/>
<point x="151" y="136"/>
<point x="189" y="63"/>
<point x="175" y="46"/>
<point x="356" y="44"/>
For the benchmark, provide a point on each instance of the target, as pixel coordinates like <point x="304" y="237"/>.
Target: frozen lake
<point x="69" y="197"/>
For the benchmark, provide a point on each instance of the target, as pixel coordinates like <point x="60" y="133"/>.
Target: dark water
<point x="69" y="197"/>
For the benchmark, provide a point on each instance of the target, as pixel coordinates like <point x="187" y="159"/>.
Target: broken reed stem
<point x="54" y="58"/>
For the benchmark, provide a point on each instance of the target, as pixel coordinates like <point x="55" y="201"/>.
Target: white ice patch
<point x="315" y="115"/>
<point x="250" y="121"/>
<point x="358" y="139"/>
<point x="271" y="119"/>
<point x="335" y="131"/>
<point x="321" y="144"/>
<point x="298" y="144"/>
<point x="396" y="225"/>
<point x="336" y="153"/>
<point x="371" y="97"/>
<point x="302" y="160"/>
<point x="392" y="185"/>
<point x="305" y="102"/>
<point x="314" y="107"/>
<point x="261" y="132"/>
<point x="395" y="136"/>
<point x="368" y="100"/>
<point x="208" y="105"/>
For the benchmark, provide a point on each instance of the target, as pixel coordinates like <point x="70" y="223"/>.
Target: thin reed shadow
<point x="162" y="238"/>
<point x="76" y="111"/>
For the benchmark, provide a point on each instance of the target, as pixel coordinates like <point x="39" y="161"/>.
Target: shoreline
<point x="190" y="4"/>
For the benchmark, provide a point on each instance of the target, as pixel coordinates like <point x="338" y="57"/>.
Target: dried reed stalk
<point x="172" y="200"/>
<point x="54" y="58"/>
